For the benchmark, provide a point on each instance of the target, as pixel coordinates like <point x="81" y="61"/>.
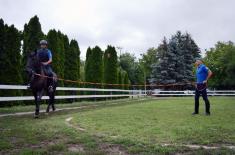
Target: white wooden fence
<point x="112" y="93"/>
<point x="191" y="93"/>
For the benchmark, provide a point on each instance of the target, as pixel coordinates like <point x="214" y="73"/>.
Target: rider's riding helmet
<point x="43" y="42"/>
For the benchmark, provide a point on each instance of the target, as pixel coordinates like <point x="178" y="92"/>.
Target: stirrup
<point x="50" y="89"/>
<point x="28" y="86"/>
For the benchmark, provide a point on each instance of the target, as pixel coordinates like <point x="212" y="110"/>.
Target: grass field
<point x="150" y="126"/>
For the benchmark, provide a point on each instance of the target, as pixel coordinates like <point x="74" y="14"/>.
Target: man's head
<point x="43" y="44"/>
<point x="198" y="62"/>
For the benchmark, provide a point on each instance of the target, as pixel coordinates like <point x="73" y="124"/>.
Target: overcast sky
<point x="134" y="25"/>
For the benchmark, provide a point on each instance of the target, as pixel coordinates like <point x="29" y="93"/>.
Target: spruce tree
<point x="177" y="41"/>
<point x="163" y="72"/>
<point x="176" y="60"/>
<point x="192" y="52"/>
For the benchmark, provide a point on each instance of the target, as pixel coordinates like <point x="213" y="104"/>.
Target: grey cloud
<point x="134" y="25"/>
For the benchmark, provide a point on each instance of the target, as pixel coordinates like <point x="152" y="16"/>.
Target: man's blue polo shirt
<point x="201" y="73"/>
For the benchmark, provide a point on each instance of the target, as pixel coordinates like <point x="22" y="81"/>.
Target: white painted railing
<point x="112" y="93"/>
<point x="126" y="93"/>
<point x="191" y="93"/>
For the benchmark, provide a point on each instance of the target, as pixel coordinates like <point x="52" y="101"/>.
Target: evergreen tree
<point x="176" y="60"/>
<point x="11" y="71"/>
<point x="88" y="64"/>
<point x="97" y="64"/>
<point x="177" y="41"/>
<point x="13" y="60"/>
<point x="61" y="52"/>
<point x="32" y="35"/>
<point x="163" y="72"/>
<point x="94" y="65"/>
<point x="192" y="52"/>
<point x="54" y="45"/>
<point x="2" y="52"/>
<point x="72" y="60"/>
<point x="110" y="66"/>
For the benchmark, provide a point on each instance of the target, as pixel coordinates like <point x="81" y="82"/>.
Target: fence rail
<point x="110" y="93"/>
<point x="191" y="93"/>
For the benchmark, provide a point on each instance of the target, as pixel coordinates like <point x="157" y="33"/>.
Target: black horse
<point x="39" y="83"/>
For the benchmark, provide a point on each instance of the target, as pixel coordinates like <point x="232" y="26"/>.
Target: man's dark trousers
<point x="205" y="98"/>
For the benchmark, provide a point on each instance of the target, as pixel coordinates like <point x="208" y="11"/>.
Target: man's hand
<point x="205" y="81"/>
<point x="44" y="63"/>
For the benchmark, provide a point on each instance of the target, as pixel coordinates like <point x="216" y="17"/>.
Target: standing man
<point x="203" y="74"/>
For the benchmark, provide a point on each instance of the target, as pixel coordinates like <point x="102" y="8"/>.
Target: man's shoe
<point x="195" y="113"/>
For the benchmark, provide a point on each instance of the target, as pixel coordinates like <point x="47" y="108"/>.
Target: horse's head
<point x="32" y="64"/>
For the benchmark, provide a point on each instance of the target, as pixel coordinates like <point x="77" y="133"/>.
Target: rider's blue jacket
<point x="44" y="55"/>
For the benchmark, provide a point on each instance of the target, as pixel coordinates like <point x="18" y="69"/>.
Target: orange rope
<point x="108" y="84"/>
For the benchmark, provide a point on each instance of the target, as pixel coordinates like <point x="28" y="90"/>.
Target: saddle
<point x="50" y="73"/>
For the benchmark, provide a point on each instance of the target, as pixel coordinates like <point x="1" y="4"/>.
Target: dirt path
<point x="107" y="148"/>
<point x="68" y="108"/>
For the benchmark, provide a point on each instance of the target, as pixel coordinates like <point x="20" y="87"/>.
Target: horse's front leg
<point x="49" y="104"/>
<point x="36" y="115"/>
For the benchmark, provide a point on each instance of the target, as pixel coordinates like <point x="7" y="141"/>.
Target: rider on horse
<point x="45" y="58"/>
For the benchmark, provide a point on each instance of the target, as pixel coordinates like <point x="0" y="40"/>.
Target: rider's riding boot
<point x="29" y="85"/>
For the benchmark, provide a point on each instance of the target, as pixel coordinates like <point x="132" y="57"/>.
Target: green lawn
<point x="152" y="126"/>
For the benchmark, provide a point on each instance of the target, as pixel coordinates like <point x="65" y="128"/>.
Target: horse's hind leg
<point x="52" y="100"/>
<point x="49" y="103"/>
<point x="48" y="106"/>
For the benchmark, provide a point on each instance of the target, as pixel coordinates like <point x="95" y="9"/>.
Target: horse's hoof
<point x="36" y="116"/>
